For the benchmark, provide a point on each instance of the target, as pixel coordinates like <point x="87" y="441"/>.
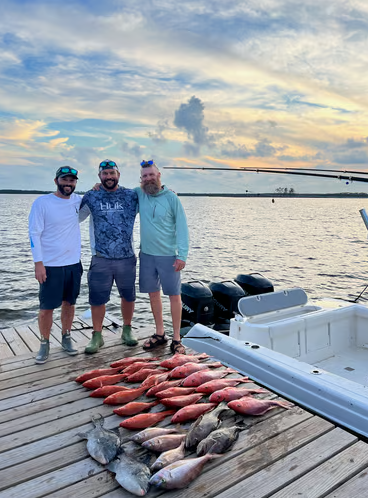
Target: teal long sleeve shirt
<point x="163" y="224"/>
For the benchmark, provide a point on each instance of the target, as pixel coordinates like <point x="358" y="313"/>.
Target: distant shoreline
<point x="274" y="195"/>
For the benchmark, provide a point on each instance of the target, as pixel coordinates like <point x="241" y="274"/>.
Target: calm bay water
<point x="317" y="244"/>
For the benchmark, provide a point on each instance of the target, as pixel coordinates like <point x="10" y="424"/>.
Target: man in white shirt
<point x="56" y="249"/>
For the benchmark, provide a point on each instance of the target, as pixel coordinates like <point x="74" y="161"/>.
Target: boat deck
<point x="284" y="453"/>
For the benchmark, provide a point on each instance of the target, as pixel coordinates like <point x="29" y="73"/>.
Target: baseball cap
<point x="66" y="171"/>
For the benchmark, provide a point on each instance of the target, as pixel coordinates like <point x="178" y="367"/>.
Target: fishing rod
<point x="283" y="171"/>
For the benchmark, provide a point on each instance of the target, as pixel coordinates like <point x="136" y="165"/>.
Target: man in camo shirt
<point x="113" y="210"/>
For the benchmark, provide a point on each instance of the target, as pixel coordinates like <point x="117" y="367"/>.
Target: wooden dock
<point x="282" y="454"/>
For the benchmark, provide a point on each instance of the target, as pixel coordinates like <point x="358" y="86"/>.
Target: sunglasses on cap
<point x="147" y="164"/>
<point x="65" y="171"/>
<point x="108" y="165"/>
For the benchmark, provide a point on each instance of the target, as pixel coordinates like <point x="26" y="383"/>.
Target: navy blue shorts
<point x="102" y="274"/>
<point x="158" y="271"/>
<point x="62" y="284"/>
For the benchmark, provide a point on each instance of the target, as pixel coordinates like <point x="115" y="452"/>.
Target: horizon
<point x="207" y="84"/>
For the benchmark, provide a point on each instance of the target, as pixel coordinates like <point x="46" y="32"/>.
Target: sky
<point x="202" y="83"/>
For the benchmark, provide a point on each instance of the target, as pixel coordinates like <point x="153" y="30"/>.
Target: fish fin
<point x="82" y="435"/>
<point x="98" y="420"/>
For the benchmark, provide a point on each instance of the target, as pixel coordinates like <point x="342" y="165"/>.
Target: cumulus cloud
<point x="190" y="117"/>
<point x="133" y="149"/>
<point x="157" y="136"/>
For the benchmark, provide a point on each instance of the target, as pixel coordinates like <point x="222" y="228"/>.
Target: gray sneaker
<point x="67" y="344"/>
<point x="43" y="353"/>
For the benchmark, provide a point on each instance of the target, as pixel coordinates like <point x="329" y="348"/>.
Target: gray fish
<point x="204" y="425"/>
<point x="168" y="457"/>
<point x="102" y="444"/>
<point x="132" y="475"/>
<point x="150" y="433"/>
<point x="164" y="443"/>
<point x="181" y="473"/>
<point x="218" y="441"/>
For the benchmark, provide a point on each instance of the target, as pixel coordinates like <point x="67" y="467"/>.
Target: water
<point x="317" y="244"/>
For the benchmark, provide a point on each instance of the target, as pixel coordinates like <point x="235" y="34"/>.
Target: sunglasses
<point x="108" y="165"/>
<point x="67" y="169"/>
<point x="147" y="164"/>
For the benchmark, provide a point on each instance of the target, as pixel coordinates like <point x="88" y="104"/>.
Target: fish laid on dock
<point x="167" y="384"/>
<point x="204" y="425"/>
<point x="218" y="441"/>
<point x="152" y="432"/>
<point x="96" y="373"/>
<point x="232" y="393"/>
<point x="180" y="401"/>
<point x="252" y="406"/>
<point x="144" y="420"/>
<point x="192" y="412"/>
<point x="124" y="362"/>
<point x="181" y="473"/>
<point x="168" y="457"/>
<point x="198" y="378"/>
<point x="131" y="474"/>
<point x="181" y="359"/>
<point x="121" y="397"/>
<point x="217" y="384"/>
<point x="102" y="444"/>
<point x="103" y="380"/>
<point x="165" y="442"/>
<point x="134" y="407"/>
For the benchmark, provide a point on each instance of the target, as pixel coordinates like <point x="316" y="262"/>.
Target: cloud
<point x="133" y="150"/>
<point x="158" y="135"/>
<point x="190" y="117"/>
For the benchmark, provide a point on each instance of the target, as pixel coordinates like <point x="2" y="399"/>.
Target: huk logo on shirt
<point x="109" y="206"/>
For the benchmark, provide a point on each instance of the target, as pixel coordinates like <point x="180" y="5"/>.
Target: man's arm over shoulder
<point x="84" y="210"/>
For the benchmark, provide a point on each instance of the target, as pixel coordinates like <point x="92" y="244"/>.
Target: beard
<point x="61" y="189"/>
<point x="110" y="184"/>
<point x="151" y="187"/>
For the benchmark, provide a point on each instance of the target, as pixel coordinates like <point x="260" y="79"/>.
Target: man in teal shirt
<point x="164" y="250"/>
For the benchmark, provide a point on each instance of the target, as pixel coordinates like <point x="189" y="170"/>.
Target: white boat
<point x="313" y="353"/>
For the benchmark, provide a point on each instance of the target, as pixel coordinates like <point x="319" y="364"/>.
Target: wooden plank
<point x="53" y="481"/>
<point x="329" y="475"/>
<point x="55" y="332"/>
<point x="15" y="362"/>
<point x="22" y="399"/>
<point x="251" y="454"/>
<point x="112" y="351"/>
<point x="278" y="475"/>
<point x="27" y="409"/>
<point x="94" y="486"/>
<point x="5" y="350"/>
<point x="55" y="413"/>
<point x="14" y="341"/>
<point x="28" y="337"/>
<point x="51" y="428"/>
<point x="44" y="446"/>
<point x="357" y="486"/>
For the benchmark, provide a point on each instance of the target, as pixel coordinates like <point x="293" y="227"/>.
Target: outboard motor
<point x="226" y="295"/>
<point x="254" y="283"/>
<point x="197" y="304"/>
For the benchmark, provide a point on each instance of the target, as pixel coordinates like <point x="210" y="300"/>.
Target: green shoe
<point x="95" y="343"/>
<point x="126" y="336"/>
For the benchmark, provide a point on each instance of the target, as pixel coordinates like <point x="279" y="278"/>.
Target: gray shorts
<point x="157" y="271"/>
<point x="102" y="274"/>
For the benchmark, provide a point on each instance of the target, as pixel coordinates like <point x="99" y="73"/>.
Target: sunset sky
<point x="257" y="83"/>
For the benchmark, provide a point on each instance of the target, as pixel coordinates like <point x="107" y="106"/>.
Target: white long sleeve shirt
<point x="54" y="230"/>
